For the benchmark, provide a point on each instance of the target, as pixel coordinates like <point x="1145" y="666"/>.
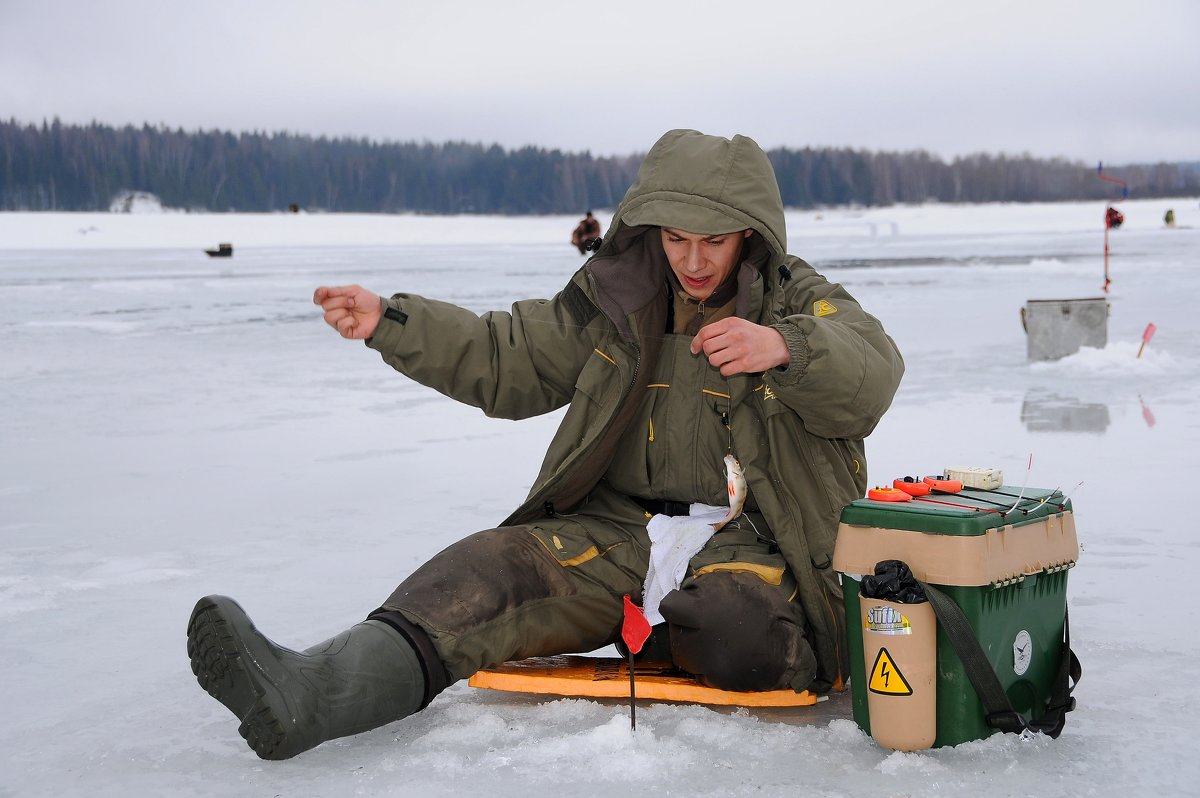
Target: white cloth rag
<point x="674" y="541"/>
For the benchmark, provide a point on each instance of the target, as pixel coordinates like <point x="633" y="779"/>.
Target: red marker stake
<point x="632" y="697"/>
<point x="634" y="631"/>
<point x="1146" y="336"/>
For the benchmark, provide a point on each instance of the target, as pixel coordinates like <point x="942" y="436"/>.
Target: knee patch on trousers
<point x="480" y="578"/>
<point x="501" y="594"/>
<point x="737" y="632"/>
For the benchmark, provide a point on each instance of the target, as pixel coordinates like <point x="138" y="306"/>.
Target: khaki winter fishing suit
<point x="646" y="428"/>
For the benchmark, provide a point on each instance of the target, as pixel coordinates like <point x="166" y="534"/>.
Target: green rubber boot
<point x="289" y="702"/>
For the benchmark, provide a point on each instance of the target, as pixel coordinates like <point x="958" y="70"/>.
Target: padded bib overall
<point x="555" y="586"/>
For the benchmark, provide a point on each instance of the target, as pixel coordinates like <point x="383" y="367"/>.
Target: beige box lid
<point x="997" y="557"/>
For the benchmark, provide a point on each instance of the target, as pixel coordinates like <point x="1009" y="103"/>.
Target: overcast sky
<point x="1098" y="80"/>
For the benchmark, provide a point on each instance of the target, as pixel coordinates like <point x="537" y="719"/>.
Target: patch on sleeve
<point x="580" y="307"/>
<point x="823" y="308"/>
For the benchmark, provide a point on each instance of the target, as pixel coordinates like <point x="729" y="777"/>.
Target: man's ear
<point x="747" y="232"/>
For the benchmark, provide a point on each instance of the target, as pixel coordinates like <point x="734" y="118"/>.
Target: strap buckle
<point x="1007" y="720"/>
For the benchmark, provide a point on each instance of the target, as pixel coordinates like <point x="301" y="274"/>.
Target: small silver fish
<point x="735" y="478"/>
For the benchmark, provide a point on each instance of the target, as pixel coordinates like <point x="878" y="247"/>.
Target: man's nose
<point x="694" y="261"/>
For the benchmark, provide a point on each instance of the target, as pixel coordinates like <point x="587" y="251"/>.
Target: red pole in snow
<point x="1146" y="336"/>
<point x="634" y="631"/>
<point x="1112" y="217"/>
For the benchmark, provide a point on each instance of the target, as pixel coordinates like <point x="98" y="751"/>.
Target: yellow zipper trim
<point x="714" y="393"/>
<point x="769" y="574"/>
<point x="582" y="558"/>
<point x="606" y="357"/>
<point x="652" y="429"/>
<point x="589" y="554"/>
<point x="659" y="385"/>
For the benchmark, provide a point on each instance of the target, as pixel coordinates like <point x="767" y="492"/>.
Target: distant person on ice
<point x="585" y="232"/>
<point x="689" y="335"/>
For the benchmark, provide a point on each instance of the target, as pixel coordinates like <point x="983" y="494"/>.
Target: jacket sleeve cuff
<point x="391" y="326"/>
<point x="797" y="344"/>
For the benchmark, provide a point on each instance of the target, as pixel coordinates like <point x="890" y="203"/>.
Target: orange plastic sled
<point x="608" y="677"/>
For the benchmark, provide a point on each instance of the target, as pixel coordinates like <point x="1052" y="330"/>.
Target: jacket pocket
<point x="597" y="390"/>
<point x="820" y="477"/>
<point x="739" y="551"/>
<point x="573" y="542"/>
<point x="840" y="470"/>
<point x="569" y="549"/>
<point x="601" y="376"/>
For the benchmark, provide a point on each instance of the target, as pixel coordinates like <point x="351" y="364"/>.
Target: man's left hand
<point x="738" y="346"/>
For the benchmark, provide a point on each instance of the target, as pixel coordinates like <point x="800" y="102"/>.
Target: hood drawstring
<point x="785" y="274"/>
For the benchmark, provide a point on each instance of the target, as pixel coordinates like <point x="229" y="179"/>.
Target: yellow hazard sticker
<point x="886" y="678"/>
<point x="824" y="308"/>
<point x="887" y="621"/>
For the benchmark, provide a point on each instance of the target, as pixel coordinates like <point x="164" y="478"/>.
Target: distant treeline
<point x="53" y="166"/>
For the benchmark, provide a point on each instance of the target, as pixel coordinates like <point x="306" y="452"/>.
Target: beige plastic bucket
<point x="900" y="653"/>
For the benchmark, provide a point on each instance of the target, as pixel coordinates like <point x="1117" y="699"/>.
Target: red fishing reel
<point x="913" y="486"/>
<point x="943" y="483"/>
<point x="885" y="494"/>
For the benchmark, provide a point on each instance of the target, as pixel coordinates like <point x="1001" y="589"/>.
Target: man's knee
<point x="480" y="578"/>
<point x="502" y="594"/>
<point x="737" y="632"/>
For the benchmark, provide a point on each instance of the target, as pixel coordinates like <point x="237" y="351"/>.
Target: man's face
<point x="702" y="262"/>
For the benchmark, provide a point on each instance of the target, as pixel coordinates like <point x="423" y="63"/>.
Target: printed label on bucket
<point x="887" y="621"/>
<point x="886" y="678"/>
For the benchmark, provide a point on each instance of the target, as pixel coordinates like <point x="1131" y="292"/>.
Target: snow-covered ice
<point x="174" y="425"/>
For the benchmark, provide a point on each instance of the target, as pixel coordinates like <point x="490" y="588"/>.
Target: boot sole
<point x="219" y="660"/>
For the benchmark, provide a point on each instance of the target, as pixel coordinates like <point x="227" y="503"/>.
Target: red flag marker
<point x="1146" y="336"/>
<point x="634" y="631"/>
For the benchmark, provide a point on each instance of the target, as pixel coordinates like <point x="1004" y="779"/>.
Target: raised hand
<point x="350" y="309"/>
<point x="738" y="346"/>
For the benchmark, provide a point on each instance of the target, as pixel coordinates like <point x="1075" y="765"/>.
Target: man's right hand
<point x="350" y="309"/>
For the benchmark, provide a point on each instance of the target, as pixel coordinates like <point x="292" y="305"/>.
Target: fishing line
<point x="1021" y="495"/>
<point x="957" y="504"/>
<point x="1056" y="492"/>
<point x="737" y="523"/>
<point x="1050" y="495"/>
<point x="973" y="498"/>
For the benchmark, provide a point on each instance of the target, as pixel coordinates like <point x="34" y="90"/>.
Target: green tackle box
<point x="1002" y="555"/>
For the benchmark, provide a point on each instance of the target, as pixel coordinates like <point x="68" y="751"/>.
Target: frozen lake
<point x="174" y="425"/>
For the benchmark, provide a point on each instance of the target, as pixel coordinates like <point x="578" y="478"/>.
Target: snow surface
<point x="174" y="426"/>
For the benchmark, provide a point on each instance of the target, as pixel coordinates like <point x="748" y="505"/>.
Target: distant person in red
<point x="586" y="231"/>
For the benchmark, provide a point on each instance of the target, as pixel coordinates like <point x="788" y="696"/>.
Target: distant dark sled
<point x="222" y="251"/>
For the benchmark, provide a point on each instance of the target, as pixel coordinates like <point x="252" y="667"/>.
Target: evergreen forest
<point x="56" y="166"/>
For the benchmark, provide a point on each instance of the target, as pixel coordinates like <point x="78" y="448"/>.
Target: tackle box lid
<point x="969" y="512"/>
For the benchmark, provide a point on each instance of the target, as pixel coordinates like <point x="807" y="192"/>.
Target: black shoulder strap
<point x="1000" y="712"/>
